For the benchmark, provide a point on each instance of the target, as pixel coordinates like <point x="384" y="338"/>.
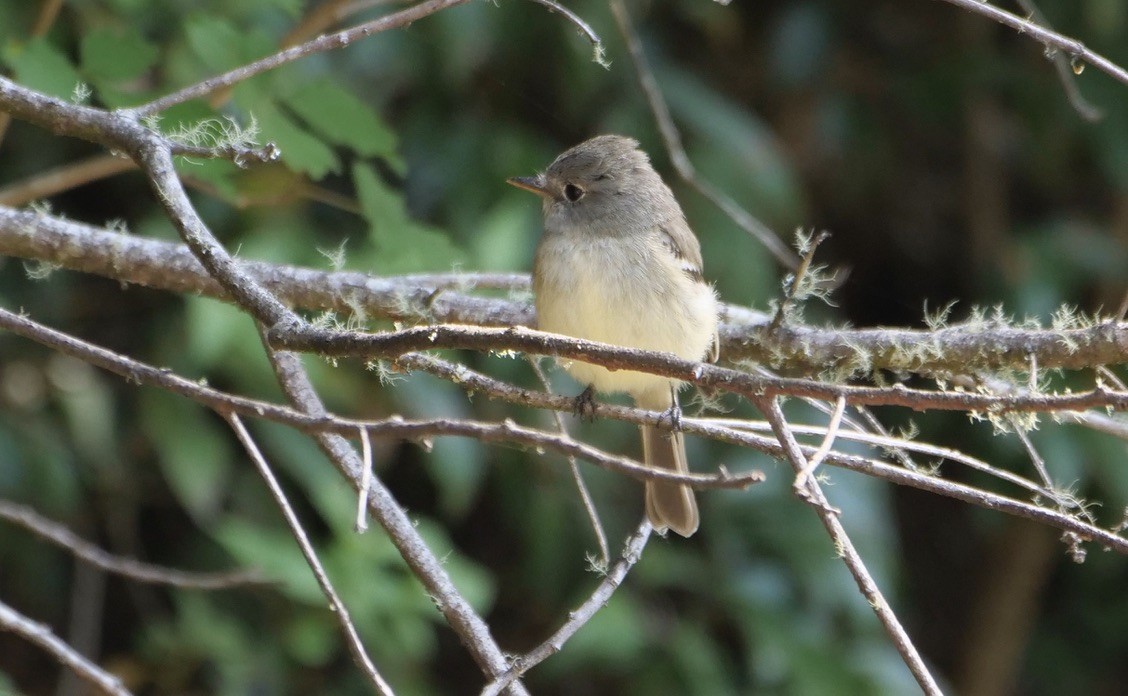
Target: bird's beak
<point x="535" y="184"/>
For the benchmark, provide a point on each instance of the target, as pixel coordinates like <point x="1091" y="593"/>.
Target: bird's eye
<point x="573" y="192"/>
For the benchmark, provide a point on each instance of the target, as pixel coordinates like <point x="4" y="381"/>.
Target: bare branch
<point x="1067" y="70"/>
<point x="64" y="178"/>
<point x="325" y="42"/>
<point x="581" y="487"/>
<point x="394" y="427"/>
<point x="900" y="447"/>
<point x="463" y="620"/>
<point x="395" y="343"/>
<point x="443" y="298"/>
<point x="361" y="524"/>
<point x="336" y="606"/>
<point x="577" y="618"/>
<point x="135" y="570"/>
<point x="315" y="418"/>
<point x="797" y="280"/>
<point x="598" y="54"/>
<point x="849" y="554"/>
<point x="800" y="483"/>
<point x="155" y="161"/>
<point x="678" y="156"/>
<point x="169" y="266"/>
<point x="41" y="635"/>
<point x="1052" y="40"/>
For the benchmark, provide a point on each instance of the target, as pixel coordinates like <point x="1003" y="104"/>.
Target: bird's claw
<point x="584" y="405"/>
<point x="674" y="415"/>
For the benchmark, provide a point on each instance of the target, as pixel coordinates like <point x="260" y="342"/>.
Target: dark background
<point x="938" y="148"/>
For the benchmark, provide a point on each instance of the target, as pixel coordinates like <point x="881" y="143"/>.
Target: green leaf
<point x="217" y="333"/>
<point x="216" y="42"/>
<point x="456" y="464"/>
<point x="301" y="151"/>
<point x="312" y="639"/>
<point x="41" y="66"/>
<point x="110" y="55"/>
<point x="339" y="117"/>
<point x="404" y="245"/>
<point x="275" y="552"/>
<point x="194" y="459"/>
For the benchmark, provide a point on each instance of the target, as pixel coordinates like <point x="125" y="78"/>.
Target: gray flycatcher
<point x="618" y="263"/>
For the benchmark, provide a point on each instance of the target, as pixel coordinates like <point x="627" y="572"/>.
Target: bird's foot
<point x="672" y="415"/>
<point x="584" y="405"/>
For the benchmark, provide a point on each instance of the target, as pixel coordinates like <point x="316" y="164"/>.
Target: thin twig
<point x="1067" y="72"/>
<point x="336" y="606"/>
<point x="702" y="373"/>
<point x="135" y="570"/>
<point x="797" y="280"/>
<point x="849" y="554"/>
<point x="585" y="496"/>
<point x="722" y="429"/>
<point x="1108" y="374"/>
<point x="328" y="430"/>
<point x="598" y="55"/>
<point x="64" y="178"/>
<point x="579" y="617"/>
<point x="365" y="481"/>
<point x="325" y="42"/>
<point x="672" y="139"/>
<point x="425" y="566"/>
<point x="886" y="443"/>
<point x="899" y="452"/>
<point x="41" y="635"/>
<point x="394" y="427"/>
<point x="800" y="483"/>
<point x="1035" y="458"/>
<point x="1052" y="40"/>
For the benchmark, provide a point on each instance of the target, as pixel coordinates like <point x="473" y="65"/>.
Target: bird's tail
<point x="668" y="505"/>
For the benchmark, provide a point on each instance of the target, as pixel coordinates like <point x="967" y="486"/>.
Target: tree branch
<point x="325" y="42"/>
<point x="579" y="617"/>
<point x="845" y="549"/>
<point x="754" y="387"/>
<point x="338" y="608"/>
<point x="443" y="298"/>
<point x="135" y="570"/>
<point x="1052" y="40"/>
<point x="682" y="164"/>
<point x="41" y="635"/>
<point x="313" y="417"/>
<point x="427" y="568"/>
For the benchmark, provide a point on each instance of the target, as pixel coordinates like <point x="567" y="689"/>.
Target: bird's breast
<point x="629" y="292"/>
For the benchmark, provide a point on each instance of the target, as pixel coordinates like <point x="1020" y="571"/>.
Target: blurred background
<point x="939" y="149"/>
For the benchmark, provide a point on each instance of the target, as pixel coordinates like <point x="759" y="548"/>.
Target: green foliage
<point x="403" y="246"/>
<point x="42" y="66"/>
<point x="340" y="117"/>
<point x="110" y="55"/>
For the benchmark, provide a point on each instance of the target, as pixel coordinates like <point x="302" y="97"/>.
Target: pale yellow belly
<point x="638" y="299"/>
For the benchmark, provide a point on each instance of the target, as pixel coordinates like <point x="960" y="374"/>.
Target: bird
<point x="618" y="263"/>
